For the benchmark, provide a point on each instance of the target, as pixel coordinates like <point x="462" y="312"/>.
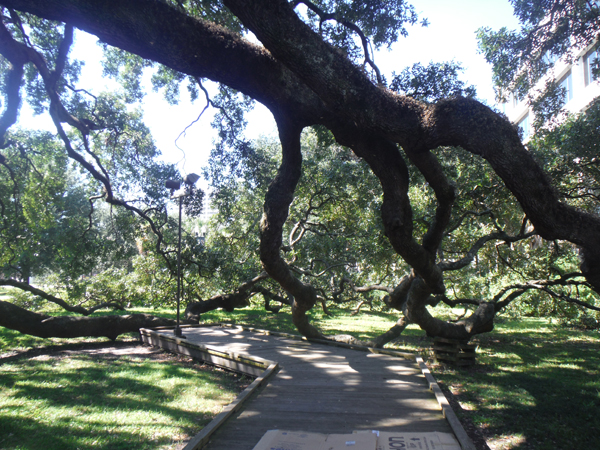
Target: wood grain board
<point x="319" y="388"/>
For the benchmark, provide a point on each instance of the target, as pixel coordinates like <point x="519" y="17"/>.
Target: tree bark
<point x="227" y="302"/>
<point x="276" y="208"/>
<point x="42" y="325"/>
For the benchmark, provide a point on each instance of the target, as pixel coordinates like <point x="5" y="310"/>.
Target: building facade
<point x="579" y="79"/>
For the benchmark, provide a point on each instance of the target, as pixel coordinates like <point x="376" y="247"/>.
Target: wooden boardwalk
<point x="321" y="388"/>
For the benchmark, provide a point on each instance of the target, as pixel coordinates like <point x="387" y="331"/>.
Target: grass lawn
<point x="81" y="400"/>
<point x="537" y="386"/>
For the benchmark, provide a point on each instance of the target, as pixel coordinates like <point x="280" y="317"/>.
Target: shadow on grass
<point x="28" y="434"/>
<point x="81" y="402"/>
<point x="542" y="389"/>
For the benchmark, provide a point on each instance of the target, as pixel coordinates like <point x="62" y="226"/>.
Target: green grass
<point x="53" y="401"/>
<point x="536" y="386"/>
<point x="366" y="325"/>
<point x="83" y="402"/>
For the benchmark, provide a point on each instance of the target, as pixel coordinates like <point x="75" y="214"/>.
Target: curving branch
<point x="41" y="325"/>
<point x="451" y="228"/>
<point x="277" y="201"/>
<point x="238" y="299"/>
<point x="516" y="290"/>
<point x="478" y="245"/>
<point x="392" y="333"/>
<point x="268" y="296"/>
<point x="445" y="194"/>
<point x="345" y="281"/>
<point x="58" y="301"/>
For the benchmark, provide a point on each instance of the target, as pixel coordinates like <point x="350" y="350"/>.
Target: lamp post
<point x="175" y="185"/>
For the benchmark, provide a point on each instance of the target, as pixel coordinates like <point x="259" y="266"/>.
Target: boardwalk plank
<point x="322" y="389"/>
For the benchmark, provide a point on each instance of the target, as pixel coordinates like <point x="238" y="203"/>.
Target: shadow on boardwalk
<point x="321" y="389"/>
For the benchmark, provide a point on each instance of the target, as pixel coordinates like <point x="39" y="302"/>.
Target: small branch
<point x="56" y="300"/>
<point x="470" y="255"/>
<point x="445" y="194"/>
<point x="90" y="220"/>
<point x="543" y="285"/>
<point x="325" y="17"/>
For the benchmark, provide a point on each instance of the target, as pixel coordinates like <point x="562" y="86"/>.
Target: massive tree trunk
<point x="277" y="202"/>
<point x="305" y="81"/>
<point x="42" y="325"/>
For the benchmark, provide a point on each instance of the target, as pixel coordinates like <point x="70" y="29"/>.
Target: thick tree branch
<point x="41" y="325"/>
<point x="478" y="245"/>
<point x="228" y="302"/>
<point x="324" y="17"/>
<point x="56" y="300"/>
<point x="445" y="194"/>
<point x="277" y="201"/>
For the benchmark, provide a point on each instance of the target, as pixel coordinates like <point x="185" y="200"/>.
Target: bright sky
<point x="450" y="36"/>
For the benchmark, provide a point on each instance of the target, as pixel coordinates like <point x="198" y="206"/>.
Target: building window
<point x="524" y="127"/>
<point x="549" y="58"/>
<point x="566" y="83"/>
<point x="516" y="99"/>
<point x="590" y="66"/>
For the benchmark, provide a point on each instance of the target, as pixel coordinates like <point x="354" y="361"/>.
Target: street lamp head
<point x="173" y="184"/>
<point x="191" y="178"/>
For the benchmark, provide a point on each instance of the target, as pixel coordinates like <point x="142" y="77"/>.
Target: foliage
<point x="432" y="82"/>
<point x="42" y="202"/>
<point x="550" y="30"/>
<point x="570" y="152"/>
<point x="356" y="25"/>
<point x="56" y="228"/>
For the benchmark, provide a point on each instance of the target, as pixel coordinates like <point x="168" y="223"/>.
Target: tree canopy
<point x="448" y="177"/>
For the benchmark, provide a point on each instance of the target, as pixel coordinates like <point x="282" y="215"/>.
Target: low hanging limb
<point x="277" y="202"/>
<point x="59" y="301"/>
<point x="228" y="302"/>
<point x="42" y="325"/>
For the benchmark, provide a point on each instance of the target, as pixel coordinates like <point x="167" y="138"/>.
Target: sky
<point x="449" y="36"/>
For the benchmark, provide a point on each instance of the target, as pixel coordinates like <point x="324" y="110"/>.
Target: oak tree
<point x="311" y="65"/>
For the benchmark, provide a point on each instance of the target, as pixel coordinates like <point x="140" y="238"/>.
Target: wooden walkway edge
<point x="203" y="343"/>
